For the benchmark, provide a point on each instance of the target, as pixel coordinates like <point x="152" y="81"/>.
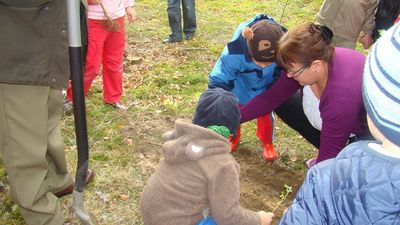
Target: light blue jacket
<point x="235" y="70"/>
<point x="360" y="186"/>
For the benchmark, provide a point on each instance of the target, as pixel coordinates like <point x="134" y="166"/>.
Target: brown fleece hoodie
<point x="197" y="172"/>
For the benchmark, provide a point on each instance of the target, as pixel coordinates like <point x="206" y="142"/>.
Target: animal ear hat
<point x="262" y="39"/>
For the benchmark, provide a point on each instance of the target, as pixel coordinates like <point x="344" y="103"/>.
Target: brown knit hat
<point x="262" y="38"/>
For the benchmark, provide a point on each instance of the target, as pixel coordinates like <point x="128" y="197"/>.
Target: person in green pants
<point x="34" y="67"/>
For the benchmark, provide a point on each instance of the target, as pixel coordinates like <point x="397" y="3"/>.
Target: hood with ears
<point x="191" y="142"/>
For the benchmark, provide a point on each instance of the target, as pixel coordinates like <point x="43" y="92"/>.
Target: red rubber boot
<point x="269" y="153"/>
<point x="265" y="132"/>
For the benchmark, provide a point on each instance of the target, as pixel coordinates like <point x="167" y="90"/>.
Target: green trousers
<point x="33" y="150"/>
<point x="344" y="43"/>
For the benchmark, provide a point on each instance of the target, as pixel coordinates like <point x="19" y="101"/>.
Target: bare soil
<point x="263" y="182"/>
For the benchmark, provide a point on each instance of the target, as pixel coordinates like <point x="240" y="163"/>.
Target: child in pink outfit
<point x="105" y="47"/>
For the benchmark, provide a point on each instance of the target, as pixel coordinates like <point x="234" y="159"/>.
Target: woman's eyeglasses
<point x="298" y="72"/>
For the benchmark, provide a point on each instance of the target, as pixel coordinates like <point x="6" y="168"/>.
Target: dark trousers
<point x="174" y="18"/>
<point x="291" y="112"/>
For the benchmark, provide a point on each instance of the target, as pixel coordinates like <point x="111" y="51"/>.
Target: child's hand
<point x="130" y="13"/>
<point x="266" y="218"/>
<point x="95" y="2"/>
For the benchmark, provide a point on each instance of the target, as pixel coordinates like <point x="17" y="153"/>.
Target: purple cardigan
<point x="341" y="105"/>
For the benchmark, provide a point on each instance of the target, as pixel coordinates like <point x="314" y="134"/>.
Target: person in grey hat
<point x="361" y="185"/>
<point x="198" y="172"/>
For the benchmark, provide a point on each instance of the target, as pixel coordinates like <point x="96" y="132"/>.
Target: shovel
<point x="76" y="67"/>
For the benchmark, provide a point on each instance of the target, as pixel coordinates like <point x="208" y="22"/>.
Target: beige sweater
<point x="197" y="172"/>
<point x="347" y="18"/>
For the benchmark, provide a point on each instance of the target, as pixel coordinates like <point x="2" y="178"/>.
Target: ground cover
<point x="162" y="83"/>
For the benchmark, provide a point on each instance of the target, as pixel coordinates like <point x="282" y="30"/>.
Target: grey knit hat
<point x="381" y="84"/>
<point x="217" y="107"/>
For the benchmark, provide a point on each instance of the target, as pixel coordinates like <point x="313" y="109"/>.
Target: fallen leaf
<point x="134" y="60"/>
<point x="103" y="197"/>
<point x="124" y="197"/>
<point x="129" y="141"/>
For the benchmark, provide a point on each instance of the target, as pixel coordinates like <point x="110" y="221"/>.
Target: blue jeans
<point x="174" y="18"/>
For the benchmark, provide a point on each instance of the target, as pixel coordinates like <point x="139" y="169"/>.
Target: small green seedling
<point x="287" y="190"/>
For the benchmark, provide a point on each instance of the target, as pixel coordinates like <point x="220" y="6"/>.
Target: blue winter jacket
<point x="235" y="70"/>
<point x="359" y="187"/>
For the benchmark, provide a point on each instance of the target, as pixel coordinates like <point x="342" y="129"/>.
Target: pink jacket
<point x="114" y="8"/>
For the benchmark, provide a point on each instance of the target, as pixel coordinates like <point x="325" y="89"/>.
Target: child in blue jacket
<point x="247" y="68"/>
<point x="362" y="184"/>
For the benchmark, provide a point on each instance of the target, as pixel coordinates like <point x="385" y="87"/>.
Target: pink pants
<point x="105" y="48"/>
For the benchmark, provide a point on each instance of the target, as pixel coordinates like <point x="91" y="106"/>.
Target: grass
<point x="162" y="87"/>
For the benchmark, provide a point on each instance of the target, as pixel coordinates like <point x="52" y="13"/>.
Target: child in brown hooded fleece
<point x="198" y="172"/>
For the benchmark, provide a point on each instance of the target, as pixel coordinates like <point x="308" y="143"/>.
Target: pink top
<point x="115" y="9"/>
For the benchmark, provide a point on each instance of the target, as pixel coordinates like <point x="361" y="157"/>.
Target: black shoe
<point x="68" y="190"/>
<point x="117" y="105"/>
<point x="189" y="36"/>
<point x="170" y="40"/>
